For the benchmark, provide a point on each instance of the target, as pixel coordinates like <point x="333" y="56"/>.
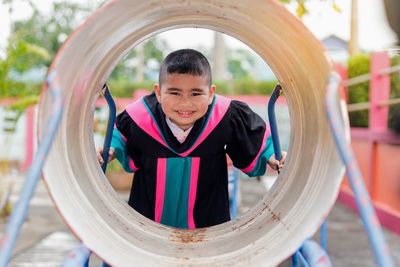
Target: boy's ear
<point x="212" y="93"/>
<point x="157" y="90"/>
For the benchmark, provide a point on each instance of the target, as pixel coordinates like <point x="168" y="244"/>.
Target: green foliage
<point x="235" y="87"/>
<point x="240" y="62"/>
<point x="153" y="52"/>
<point x="394" y="110"/>
<point x="124" y="88"/>
<point x="21" y="104"/>
<point x="245" y="87"/>
<point x="358" y="65"/>
<point x="21" y="56"/>
<point x="50" y="31"/>
<point x="32" y="45"/>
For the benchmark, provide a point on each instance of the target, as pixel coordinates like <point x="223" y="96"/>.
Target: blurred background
<point x="32" y="31"/>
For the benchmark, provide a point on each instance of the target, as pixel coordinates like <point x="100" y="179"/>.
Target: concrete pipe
<point x="267" y="234"/>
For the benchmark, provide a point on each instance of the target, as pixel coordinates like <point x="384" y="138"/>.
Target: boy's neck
<point x="172" y="124"/>
<point x="179" y="133"/>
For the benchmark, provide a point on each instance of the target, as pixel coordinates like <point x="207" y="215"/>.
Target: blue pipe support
<point x="110" y="126"/>
<point x="299" y="258"/>
<point x="295" y="259"/>
<point x="366" y="210"/>
<point x="303" y="260"/>
<point x="106" y="148"/>
<point x="324" y="242"/>
<point x="233" y="199"/>
<point x="272" y="121"/>
<point x="278" y="155"/>
<point x="78" y="257"/>
<point x="20" y="210"/>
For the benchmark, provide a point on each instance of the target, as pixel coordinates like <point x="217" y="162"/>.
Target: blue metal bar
<point x="295" y="259"/>
<point x="324" y="242"/>
<point x="275" y="140"/>
<point x="302" y="259"/>
<point x="299" y="258"/>
<point x="272" y="121"/>
<point x="78" y="257"/>
<point x="314" y="254"/>
<point x="367" y="212"/>
<point x="233" y="198"/>
<point x="107" y="140"/>
<point x="82" y="253"/>
<point x="110" y="126"/>
<point x="20" y="210"/>
<point x="278" y="155"/>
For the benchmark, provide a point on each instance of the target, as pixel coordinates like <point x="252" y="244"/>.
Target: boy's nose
<point x="186" y="104"/>
<point x="186" y="100"/>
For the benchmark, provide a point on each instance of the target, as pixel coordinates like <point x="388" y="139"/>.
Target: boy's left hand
<point x="277" y="164"/>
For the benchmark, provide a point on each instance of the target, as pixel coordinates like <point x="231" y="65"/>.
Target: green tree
<point x="240" y="63"/>
<point x="358" y="65"/>
<point x="153" y="53"/>
<point x="394" y="110"/>
<point x="20" y="57"/>
<point x="50" y="31"/>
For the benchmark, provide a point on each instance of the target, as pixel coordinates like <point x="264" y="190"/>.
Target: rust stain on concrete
<point x="188" y="236"/>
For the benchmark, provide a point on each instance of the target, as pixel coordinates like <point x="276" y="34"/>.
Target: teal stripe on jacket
<point x="176" y="196"/>
<point x="261" y="165"/>
<point x="120" y="150"/>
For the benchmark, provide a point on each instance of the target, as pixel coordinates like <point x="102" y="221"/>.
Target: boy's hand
<point x="275" y="164"/>
<point x="99" y="153"/>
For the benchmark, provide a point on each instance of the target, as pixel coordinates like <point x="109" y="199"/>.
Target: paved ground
<point x="45" y="240"/>
<point x="348" y="244"/>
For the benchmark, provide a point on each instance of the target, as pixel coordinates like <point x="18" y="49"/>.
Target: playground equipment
<point x="271" y="231"/>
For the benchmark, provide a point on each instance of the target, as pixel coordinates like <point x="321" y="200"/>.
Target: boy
<point x="176" y="141"/>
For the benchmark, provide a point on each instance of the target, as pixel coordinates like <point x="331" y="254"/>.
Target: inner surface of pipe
<point x="271" y="231"/>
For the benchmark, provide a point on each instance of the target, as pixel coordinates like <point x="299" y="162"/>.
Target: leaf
<point x="301" y="9"/>
<point x="336" y="7"/>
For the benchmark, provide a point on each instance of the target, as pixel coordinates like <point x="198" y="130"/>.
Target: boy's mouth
<point x="185" y="114"/>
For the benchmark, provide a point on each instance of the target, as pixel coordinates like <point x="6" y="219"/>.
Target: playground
<point x="336" y="201"/>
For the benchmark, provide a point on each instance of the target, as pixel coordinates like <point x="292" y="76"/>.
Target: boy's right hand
<point x="99" y="153"/>
<point x="277" y="164"/>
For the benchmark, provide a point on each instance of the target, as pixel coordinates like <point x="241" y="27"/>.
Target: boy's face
<point x="184" y="98"/>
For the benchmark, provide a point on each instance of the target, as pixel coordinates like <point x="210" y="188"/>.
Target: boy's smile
<point x="184" y="98"/>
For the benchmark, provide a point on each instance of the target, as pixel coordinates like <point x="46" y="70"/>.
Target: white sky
<point x="374" y="32"/>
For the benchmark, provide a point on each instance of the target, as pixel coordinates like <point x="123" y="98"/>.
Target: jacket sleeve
<point x="251" y="145"/>
<point x="119" y="143"/>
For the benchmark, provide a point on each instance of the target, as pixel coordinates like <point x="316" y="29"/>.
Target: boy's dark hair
<point x="185" y="61"/>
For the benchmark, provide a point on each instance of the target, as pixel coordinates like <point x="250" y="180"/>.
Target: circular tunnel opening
<point x="270" y="231"/>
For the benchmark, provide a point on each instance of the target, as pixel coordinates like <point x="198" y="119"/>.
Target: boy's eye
<point x="174" y="93"/>
<point x="197" y="93"/>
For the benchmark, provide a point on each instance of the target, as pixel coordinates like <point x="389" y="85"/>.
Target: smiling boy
<point x="176" y="141"/>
